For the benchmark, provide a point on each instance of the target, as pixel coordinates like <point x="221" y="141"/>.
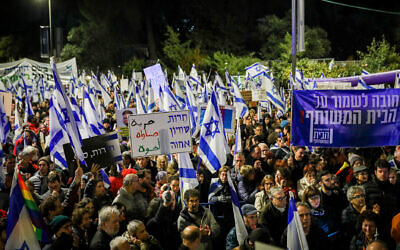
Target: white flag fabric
<point x="212" y="146"/>
<point x="140" y="107"/>
<point x="105" y="178"/>
<point x="58" y="134"/>
<point x="273" y="94"/>
<point x="296" y="239"/>
<point x="241" y="232"/>
<point x="187" y="174"/>
<point x="92" y="117"/>
<point x="67" y="115"/>
<point x="4" y="124"/>
<point x="151" y="104"/>
<point x="170" y="103"/>
<point x="238" y="102"/>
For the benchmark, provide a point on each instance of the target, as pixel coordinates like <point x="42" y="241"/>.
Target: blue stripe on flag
<point x="187" y="173"/>
<point x="58" y="156"/>
<point x="212" y="158"/>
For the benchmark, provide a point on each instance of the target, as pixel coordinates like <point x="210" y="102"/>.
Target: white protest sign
<point x="124" y="85"/>
<point x="160" y="133"/>
<point x="258" y="95"/>
<point x="155" y="76"/>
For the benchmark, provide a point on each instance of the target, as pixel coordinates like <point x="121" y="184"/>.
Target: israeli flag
<point x="238" y="139"/>
<point x="228" y="79"/>
<point x="364" y="85"/>
<point x="296" y="239"/>
<point x="241" y="232"/>
<point x="17" y="121"/>
<point x="4" y="124"/>
<point x="140" y="107"/>
<point x="179" y="93"/>
<point x="103" y="91"/>
<point x="67" y="115"/>
<point x="212" y="146"/>
<point x="255" y="70"/>
<point x="239" y="103"/>
<point x="191" y="106"/>
<point x="105" y="178"/>
<point x="170" y="102"/>
<point x="58" y="134"/>
<point x="91" y="115"/>
<point x="77" y="111"/>
<point x="187" y="174"/>
<point x="116" y="98"/>
<point x="151" y="104"/>
<point x="273" y="94"/>
<point x="194" y="77"/>
<point x="28" y="106"/>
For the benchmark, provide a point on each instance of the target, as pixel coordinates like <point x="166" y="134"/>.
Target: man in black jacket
<point x="108" y="228"/>
<point x="381" y="195"/>
<point x="274" y="215"/>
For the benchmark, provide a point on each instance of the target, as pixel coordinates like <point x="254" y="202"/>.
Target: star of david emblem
<point x="66" y="118"/>
<point x="209" y="127"/>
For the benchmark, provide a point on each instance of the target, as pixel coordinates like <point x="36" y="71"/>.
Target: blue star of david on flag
<point x="208" y="126"/>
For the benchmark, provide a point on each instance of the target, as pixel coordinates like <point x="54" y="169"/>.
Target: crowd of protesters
<point x="346" y="198"/>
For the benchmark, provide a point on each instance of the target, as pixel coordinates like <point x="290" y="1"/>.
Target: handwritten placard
<point x="160" y="133"/>
<point x="155" y="75"/>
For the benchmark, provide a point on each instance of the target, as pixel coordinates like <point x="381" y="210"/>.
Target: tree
<point x="380" y="56"/>
<point x="9" y="48"/>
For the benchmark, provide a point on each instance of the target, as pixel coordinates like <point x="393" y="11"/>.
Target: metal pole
<point x="293" y="65"/>
<point x="51" y="31"/>
<point x="294" y="39"/>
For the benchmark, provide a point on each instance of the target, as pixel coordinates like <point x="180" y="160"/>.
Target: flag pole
<point x="293" y="68"/>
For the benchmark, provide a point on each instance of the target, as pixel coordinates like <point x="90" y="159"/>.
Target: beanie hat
<point x="57" y="222"/>
<point x="353" y="158"/>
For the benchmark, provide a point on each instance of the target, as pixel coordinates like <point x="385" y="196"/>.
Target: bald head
<point x="377" y="245"/>
<point x="191" y="237"/>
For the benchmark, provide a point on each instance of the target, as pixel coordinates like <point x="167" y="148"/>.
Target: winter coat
<point x="206" y="218"/>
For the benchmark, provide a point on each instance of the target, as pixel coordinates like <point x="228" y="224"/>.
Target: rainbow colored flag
<point x="25" y="225"/>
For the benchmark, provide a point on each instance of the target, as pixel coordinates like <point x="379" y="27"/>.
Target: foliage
<point x="9" y="48"/>
<point x="234" y="64"/>
<point x="273" y="29"/>
<point x="134" y="63"/>
<point x="380" y="56"/>
<point x="178" y="53"/>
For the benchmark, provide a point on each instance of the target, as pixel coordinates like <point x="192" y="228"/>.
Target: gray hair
<point x="303" y="204"/>
<point x="274" y="190"/>
<point x="117" y="241"/>
<point x="352" y="190"/>
<point x="30" y="149"/>
<point x="129" y="179"/>
<point x="133" y="226"/>
<point x="262" y="144"/>
<point x="105" y="213"/>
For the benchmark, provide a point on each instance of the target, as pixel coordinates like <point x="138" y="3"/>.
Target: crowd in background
<point x="346" y="198"/>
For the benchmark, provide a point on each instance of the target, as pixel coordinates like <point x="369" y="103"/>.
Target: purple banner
<point x="346" y="118"/>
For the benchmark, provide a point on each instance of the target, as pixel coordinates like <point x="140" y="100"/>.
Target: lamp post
<point x="50" y="31"/>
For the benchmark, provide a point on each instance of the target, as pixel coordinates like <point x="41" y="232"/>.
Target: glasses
<point x="280" y="198"/>
<point x="315" y="197"/>
<point x="358" y="196"/>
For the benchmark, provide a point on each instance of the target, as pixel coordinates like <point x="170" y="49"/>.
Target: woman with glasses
<point x="356" y="197"/>
<point x="262" y="197"/>
<point x="321" y="217"/>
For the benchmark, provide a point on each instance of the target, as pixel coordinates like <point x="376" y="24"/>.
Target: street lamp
<point x="50" y="31"/>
